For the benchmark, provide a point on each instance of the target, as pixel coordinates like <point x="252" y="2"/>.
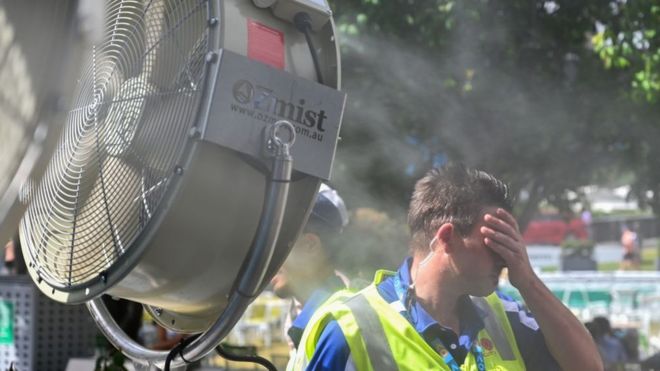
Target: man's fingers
<point x="499" y="224"/>
<point x="508" y="218"/>
<point x="502" y="238"/>
<point x="501" y="250"/>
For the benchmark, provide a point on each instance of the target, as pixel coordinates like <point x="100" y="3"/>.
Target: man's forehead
<point x="479" y="221"/>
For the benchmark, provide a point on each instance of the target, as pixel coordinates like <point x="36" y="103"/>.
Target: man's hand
<point x="501" y="234"/>
<point x="569" y="342"/>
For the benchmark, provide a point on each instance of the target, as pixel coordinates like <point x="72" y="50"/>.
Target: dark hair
<point x="603" y="324"/>
<point x="593" y="328"/>
<point x="453" y="194"/>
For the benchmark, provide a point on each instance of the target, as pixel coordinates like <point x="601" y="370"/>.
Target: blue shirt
<point x="318" y="297"/>
<point x="332" y="351"/>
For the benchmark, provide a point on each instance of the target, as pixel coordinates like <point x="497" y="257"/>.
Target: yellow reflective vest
<point x="381" y="339"/>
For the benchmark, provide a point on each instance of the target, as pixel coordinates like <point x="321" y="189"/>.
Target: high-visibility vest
<point x="381" y="339"/>
<point x="337" y="296"/>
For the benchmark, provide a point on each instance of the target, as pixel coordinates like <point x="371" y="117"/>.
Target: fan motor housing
<point x="173" y="234"/>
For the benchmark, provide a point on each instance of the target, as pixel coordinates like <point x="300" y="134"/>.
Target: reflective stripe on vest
<point x="375" y="340"/>
<point x="494" y="328"/>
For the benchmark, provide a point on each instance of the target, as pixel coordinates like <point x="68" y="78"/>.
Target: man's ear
<point x="444" y="234"/>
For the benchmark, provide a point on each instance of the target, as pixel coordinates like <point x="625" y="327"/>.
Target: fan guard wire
<point x="134" y="106"/>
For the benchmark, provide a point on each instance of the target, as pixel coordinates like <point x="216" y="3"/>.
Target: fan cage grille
<point x="133" y="109"/>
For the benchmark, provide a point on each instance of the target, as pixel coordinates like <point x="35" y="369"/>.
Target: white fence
<point x="629" y="299"/>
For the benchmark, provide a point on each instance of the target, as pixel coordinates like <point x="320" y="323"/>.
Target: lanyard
<point x="476" y="351"/>
<point x="406" y="300"/>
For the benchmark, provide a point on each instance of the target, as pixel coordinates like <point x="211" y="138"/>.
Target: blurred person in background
<point x="631" y="252"/>
<point x="630" y="341"/>
<point x="309" y="275"/>
<point x="13" y="256"/>
<point x="440" y="311"/>
<point x="611" y="348"/>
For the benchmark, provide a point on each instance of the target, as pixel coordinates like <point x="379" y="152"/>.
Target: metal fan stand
<point x="278" y="140"/>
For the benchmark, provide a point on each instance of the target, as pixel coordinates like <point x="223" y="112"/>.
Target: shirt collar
<point x="471" y="317"/>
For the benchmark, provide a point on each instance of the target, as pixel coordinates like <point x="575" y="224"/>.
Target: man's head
<point x="603" y="325"/>
<point x="329" y="215"/>
<point x="311" y="260"/>
<point x="452" y="194"/>
<point x="446" y="210"/>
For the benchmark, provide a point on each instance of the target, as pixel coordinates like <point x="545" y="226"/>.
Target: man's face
<point x="281" y="285"/>
<point x="299" y="266"/>
<point x="479" y="266"/>
<point x="283" y="280"/>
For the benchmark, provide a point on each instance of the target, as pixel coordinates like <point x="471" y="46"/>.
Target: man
<point x="308" y="276"/>
<point x="612" y="351"/>
<point x="631" y="251"/>
<point x="439" y="311"/>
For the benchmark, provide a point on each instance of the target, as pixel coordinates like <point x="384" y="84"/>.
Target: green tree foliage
<point x="512" y="87"/>
<point x="627" y="38"/>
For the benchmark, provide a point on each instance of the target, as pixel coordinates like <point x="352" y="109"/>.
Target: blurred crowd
<point x="619" y="347"/>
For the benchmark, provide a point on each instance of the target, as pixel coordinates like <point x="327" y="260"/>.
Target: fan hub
<point x="124" y="115"/>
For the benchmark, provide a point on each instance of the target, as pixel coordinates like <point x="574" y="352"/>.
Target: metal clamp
<point x="278" y="138"/>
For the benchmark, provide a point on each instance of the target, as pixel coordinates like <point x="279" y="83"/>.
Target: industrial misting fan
<point x="198" y="136"/>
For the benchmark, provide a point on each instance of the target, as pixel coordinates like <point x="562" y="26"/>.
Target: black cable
<point x="303" y="23"/>
<point x="252" y="359"/>
<point x="178" y="349"/>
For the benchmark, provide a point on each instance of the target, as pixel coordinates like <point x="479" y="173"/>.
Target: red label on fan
<point x="265" y="44"/>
